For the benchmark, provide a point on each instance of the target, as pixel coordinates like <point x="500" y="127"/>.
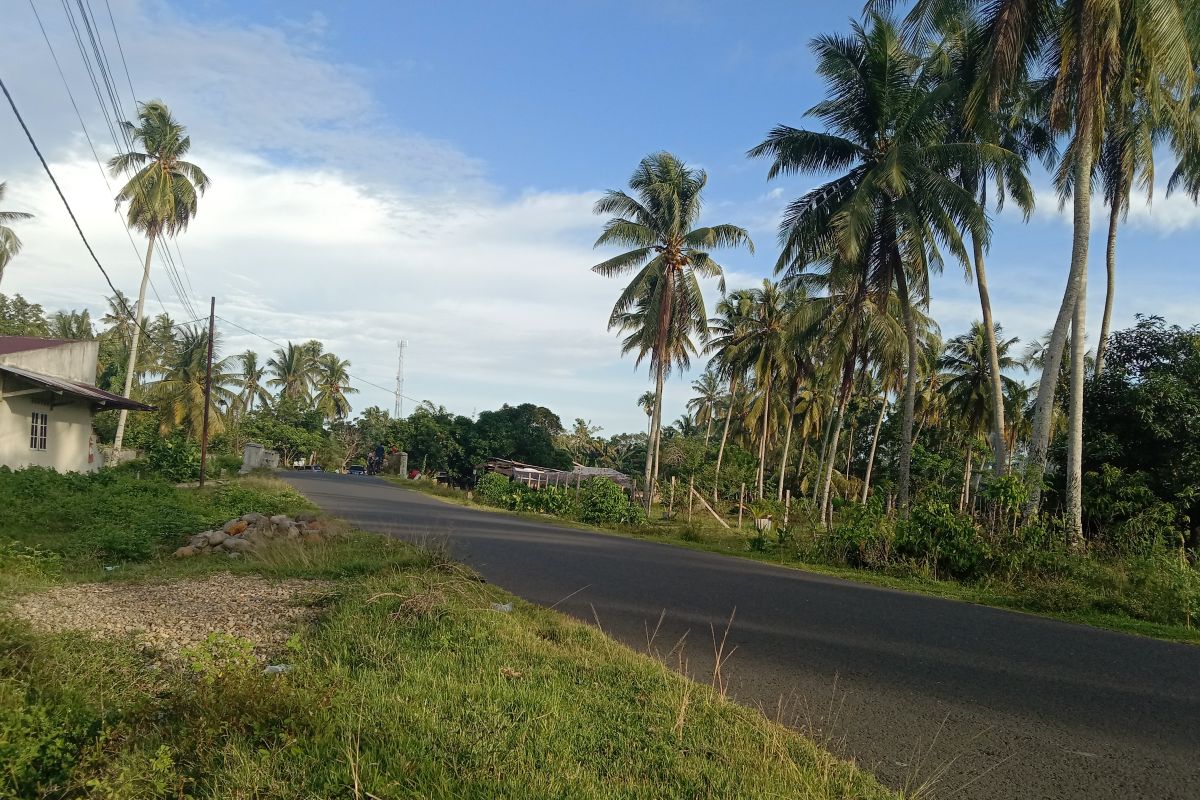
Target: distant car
<point x="356" y="469"/>
<point x="318" y="468"/>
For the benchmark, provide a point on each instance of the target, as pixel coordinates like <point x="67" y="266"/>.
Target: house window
<point x="37" y="430"/>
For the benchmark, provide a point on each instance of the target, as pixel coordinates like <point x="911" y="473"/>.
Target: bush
<point x="174" y="458"/>
<point x="862" y="537"/>
<point x="492" y="489"/>
<point x="949" y="541"/>
<point x="603" y="501"/>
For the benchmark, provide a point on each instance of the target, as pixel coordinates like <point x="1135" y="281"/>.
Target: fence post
<point x="787" y="505"/>
<point x="741" y="502"/>
<point x="691" y="491"/>
<point x="671" y="503"/>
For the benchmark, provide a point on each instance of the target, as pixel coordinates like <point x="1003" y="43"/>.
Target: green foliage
<point x="113" y="516"/>
<point x="173" y="458"/>
<point x="861" y="538"/>
<point x="19" y="317"/>
<point x="492" y="489"/>
<point x="1126" y="515"/>
<point x="604" y="502"/>
<point x="949" y="541"/>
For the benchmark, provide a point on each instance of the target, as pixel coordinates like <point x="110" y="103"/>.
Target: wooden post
<point x="691" y="491"/>
<point x="212" y="315"/>
<point x="741" y="502"/>
<point x="787" y="506"/>
<point x="704" y="503"/>
<point x="671" y="503"/>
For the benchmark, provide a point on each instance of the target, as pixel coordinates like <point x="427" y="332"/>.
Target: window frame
<point x="39" y="431"/>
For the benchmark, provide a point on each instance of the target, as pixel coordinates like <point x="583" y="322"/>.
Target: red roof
<point x="20" y="344"/>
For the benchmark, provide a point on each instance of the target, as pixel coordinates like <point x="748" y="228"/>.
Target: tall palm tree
<point x="180" y="392"/>
<point x="331" y="380"/>
<point x="10" y="244"/>
<point x="292" y="371"/>
<point x="646" y="403"/>
<point x="966" y="384"/>
<point x="728" y="333"/>
<point x="160" y="198"/>
<point x="893" y="206"/>
<point x="706" y="402"/>
<point x="1092" y="45"/>
<point x="251" y="381"/>
<point x="669" y="257"/>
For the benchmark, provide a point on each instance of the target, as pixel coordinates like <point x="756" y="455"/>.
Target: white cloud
<point x="323" y="221"/>
<point x="1162" y="215"/>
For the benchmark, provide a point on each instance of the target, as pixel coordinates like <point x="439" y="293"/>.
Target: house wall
<point x="69" y="445"/>
<point x="74" y="361"/>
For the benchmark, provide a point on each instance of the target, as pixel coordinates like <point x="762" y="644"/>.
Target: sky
<point x="426" y="171"/>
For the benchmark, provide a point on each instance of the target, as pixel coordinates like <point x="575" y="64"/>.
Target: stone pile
<point x="249" y="532"/>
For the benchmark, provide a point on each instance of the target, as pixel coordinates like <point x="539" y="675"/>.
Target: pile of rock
<point x="251" y="531"/>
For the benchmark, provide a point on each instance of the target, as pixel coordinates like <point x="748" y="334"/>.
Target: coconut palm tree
<point x="966" y="383"/>
<point x="669" y="257"/>
<point x="893" y="206"/>
<point x="72" y="325"/>
<point x="10" y="244"/>
<point x="646" y="403"/>
<point x="180" y="392"/>
<point x="706" y="402"/>
<point x="160" y="198"/>
<point x="250" y="381"/>
<point x="728" y="333"/>
<point x="292" y="371"/>
<point x="331" y="380"/>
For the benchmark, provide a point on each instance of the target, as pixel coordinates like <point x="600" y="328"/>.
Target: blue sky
<point x="426" y="171"/>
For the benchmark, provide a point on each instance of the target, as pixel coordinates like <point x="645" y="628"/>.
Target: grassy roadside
<point x="408" y="683"/>
<point x="1055" y="599"/>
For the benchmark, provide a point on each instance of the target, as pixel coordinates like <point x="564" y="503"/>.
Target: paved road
<point x="984" y="703"/>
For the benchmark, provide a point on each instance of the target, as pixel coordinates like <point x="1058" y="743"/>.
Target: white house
<point x="47" y="400"/>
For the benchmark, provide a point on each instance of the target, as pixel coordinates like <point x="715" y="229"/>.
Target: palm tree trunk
<point x="708" y="428"/>
<point x="651" y="467"/>
<point x="849" y="452"/>
<point x="787" y="444"/>
<point x="803" y="453"/>
<point x="1110" y="260"/>
<point x="724" y="438"/>
<point x="874" y="441"/>
<point x="133" y="345"/>
<point x="824" y="455"/>
<point x="999" y="456"/>
<point x="762" y="442"/>
<point x="1043" y="410"/>
<point x="827" y="473"/>
<point x="1074" y="492"/>
<point x="966" y="484"/>
<point x="910" y="391"/>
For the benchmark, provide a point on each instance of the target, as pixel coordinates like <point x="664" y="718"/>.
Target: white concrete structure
<point x="47" y="401"/>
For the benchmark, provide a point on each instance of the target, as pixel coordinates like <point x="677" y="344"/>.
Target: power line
<point x="12" y="103"/>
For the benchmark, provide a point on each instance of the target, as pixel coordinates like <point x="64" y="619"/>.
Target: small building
<point x="47" y="400"/>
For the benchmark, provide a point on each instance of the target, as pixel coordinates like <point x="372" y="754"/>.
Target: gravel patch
<point x="171" y="616"/>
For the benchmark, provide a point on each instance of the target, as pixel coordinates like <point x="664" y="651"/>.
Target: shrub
<point x="174" y="458"/>
<point x="936" y="534"/>
<point x="492" y="489"/>
<point x="603" y="501"/>
<point x="862" y="537"/>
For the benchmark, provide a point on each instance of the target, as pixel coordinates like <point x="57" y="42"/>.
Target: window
<point x="37" y="430"/>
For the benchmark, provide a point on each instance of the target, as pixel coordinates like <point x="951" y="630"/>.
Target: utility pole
<point x="402" y="344"/>
<point x="212" y="319"/>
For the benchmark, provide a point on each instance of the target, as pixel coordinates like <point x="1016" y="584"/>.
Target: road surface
<point x="973" y="701"/>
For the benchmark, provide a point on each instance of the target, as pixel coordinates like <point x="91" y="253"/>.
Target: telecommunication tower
<point x="402" y="344"/>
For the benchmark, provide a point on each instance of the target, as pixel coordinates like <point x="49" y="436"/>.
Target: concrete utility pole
<point x="212" y="319"/>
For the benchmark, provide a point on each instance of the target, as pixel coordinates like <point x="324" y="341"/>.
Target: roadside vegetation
<point x="413" y="678"/>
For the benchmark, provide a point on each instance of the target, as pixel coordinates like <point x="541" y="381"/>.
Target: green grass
<point x="1104" y="596"/>
<point x="408" y="685"/>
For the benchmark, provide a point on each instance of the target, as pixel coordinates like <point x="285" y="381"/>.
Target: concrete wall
<point x="74" y="361"/>
<point x="69" y="443"/>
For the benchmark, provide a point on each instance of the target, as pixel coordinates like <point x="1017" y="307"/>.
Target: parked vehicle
<point x="356" y="469"/>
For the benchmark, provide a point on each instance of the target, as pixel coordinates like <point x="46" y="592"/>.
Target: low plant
<point x="948" y="541"/>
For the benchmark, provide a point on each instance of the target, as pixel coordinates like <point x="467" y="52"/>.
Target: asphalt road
<point x="974" y="701"/>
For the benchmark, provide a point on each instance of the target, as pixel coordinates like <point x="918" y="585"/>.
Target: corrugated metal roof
<point x="22" y="344"/>
<point x="82" y="390"/>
